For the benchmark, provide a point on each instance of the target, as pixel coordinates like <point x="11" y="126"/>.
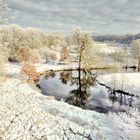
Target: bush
<point x="50" y="55"/>
<point x="35" y="56"/>
<point x="29" y="58"/>
<point x="53" y="57"/>
<point x="64" y="53"/>
<point x="23" y="54"/>
<point x="30" y="71"/>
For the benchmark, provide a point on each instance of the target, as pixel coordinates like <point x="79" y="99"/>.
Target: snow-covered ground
<point x="129" y="123"/>
<point x="129" y="82"/>
<point x="27" y="114"/>
<point x="105" y="48"/>
<point x="109" y="50"/>
<point x="15" y="68"/>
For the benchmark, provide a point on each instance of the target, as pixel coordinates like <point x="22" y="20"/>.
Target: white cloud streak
<point x="114" y="16"/>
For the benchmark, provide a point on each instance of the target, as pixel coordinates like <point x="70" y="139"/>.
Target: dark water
<point x="80" y="88"/>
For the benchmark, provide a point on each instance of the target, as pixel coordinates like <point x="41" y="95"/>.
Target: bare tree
<point x="118" y="55"/>
<point x="136" y="51"/>
<point x="83" y="46"/>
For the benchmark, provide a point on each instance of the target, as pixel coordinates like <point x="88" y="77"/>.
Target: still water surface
<point x="80" y="88"/>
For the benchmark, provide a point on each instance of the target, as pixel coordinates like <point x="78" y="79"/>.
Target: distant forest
<point x="122" y="39"/>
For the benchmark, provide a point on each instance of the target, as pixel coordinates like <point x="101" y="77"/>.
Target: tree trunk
<point x="80" y="57"/>
<point x="79" y="80"/>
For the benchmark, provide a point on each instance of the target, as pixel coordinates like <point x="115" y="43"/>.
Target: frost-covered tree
<point x="50" y="55"/>
<point x="29" y="70"/>
<point x="34" y="38"/>
<point x="84" y="48"/>
<point x="14" y="37"/>
<point x="136" y="51"/>
<point x="11" y="38"/>
<point x="28" y="58"/>
<point x="64" y="54"/>
<point x="118" y="55"/>
<point x="3" y="53"/>
<point x="54" y="40"/>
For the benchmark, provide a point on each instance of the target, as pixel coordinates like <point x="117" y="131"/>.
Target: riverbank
<point x="27" y="114"/>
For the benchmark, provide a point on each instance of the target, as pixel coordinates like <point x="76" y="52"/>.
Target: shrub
<point x="35" y="56"/>
<point x="50" y="55"/>
<point x="64" y="53"/>
<point x="53" y="57"/>
<point x="23" y="54"/>
<point x="29" y="58"/>
<point x="30" y="71"/>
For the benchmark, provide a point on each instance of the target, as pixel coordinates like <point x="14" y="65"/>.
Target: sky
<point x="96" y="16"/>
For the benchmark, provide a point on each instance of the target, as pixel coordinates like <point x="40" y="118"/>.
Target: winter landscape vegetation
<point x="63" y="82"/>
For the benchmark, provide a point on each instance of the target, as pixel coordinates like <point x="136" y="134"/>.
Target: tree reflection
<point x="50" y="74"/>
<point x="121" y="98"/>
<point x="65" y="76"/>
<point x="77" y="85"/>
<point x="82" y="79"/>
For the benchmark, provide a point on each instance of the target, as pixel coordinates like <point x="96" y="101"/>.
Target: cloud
<point x="61" y="15"/>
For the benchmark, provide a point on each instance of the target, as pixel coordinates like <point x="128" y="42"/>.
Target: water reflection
<point x="65" y="77"/>
<point x="50" y="74"/>
<point x="79" y="88"/>
<point x="83" y="80"/>
<point x="122" y="99"/>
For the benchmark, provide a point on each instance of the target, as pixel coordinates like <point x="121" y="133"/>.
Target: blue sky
<point x="96" y="16"/>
